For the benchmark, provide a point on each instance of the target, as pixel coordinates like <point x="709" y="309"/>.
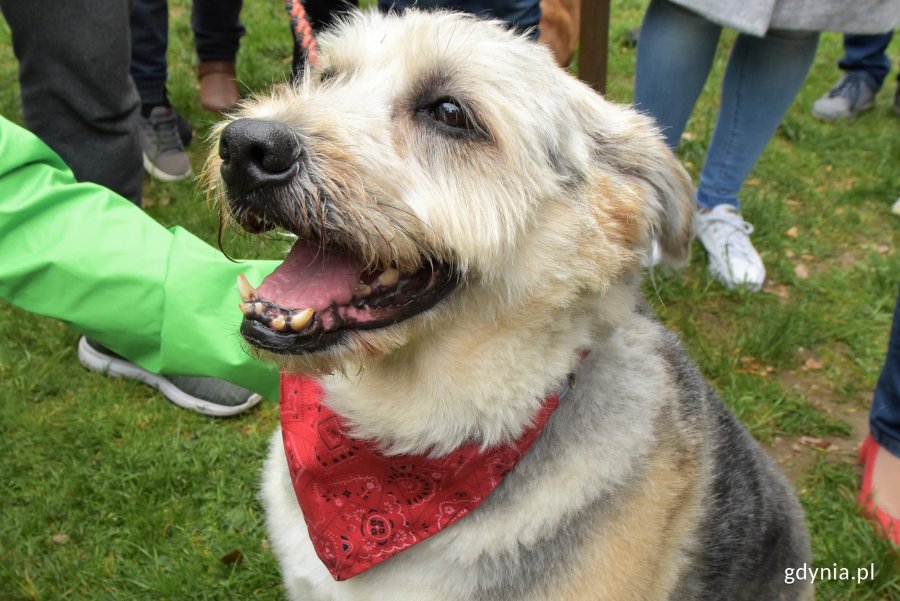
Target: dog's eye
<point x="449" y="112"/>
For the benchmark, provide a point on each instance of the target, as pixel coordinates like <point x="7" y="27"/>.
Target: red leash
<point x="302" y="30"/>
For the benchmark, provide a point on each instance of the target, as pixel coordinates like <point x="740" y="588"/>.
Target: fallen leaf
<point x="232" y="557"/>
<point x="801" y="271"/>
<point x="790" y="254"/>
<point x="689" y="136"/>
<point x="811" y="364"/>
<point x="60" y="538"/>
<point x="819" y="443"/>
<point x="792" y="232"/>
<point x="752" y="366"/>
<point x="812" y="441"/>
<point x="807" y="257"/>
<point x="883" y="248"/>
<point x="779" y="290"/>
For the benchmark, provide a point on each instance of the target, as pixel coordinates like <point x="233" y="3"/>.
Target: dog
<point x="463" y="309"/>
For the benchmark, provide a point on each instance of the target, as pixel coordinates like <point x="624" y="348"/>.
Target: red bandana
<point x="362" y="507"/>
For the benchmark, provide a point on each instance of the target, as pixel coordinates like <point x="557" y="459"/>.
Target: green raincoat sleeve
<point x="82" y="254"/>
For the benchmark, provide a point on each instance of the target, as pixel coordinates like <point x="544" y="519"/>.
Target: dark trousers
<point x="884" y="417"/>
<point x="77" y="95"/>
<point x="523" y="15"/>
<point x="519" y="14"/>
<point x="217" y="33"/>
<point x="867" y="53"/>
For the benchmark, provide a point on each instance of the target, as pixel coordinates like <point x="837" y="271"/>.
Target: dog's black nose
<point x="257" y="153"/>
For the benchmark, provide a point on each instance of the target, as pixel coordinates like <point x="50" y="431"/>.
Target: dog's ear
<point x="628" y="144"/>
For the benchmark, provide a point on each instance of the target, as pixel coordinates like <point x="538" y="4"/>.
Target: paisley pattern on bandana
<point x="362" y="507"/>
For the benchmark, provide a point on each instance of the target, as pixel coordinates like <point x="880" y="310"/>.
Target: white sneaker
<point x="726" y="237"/>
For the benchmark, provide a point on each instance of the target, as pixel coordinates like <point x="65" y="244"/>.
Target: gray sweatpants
<point x="77" y="94"/>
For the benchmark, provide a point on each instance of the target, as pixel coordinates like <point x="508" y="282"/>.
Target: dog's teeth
<point x="246" y="308"/>
<point x="299" y="320"/>
<point x="258" y="308"/>
<point x="389" y="277"/>
<point x="362" y="290"/>
<point x="279" y="323"/>
<point x="247" y="292"/>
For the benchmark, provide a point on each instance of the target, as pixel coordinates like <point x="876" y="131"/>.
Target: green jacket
<point x="82" y="254"/>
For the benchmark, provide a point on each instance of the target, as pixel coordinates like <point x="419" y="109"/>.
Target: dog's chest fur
<point x="621" y="498"/>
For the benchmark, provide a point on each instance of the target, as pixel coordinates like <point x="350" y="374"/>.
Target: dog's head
<point x="443" y="176"/>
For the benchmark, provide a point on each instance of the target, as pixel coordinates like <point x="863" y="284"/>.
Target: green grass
<point x="109" y="492"/>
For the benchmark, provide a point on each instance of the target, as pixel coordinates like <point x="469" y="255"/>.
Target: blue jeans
<point x="763" y="76"/>
<point x="520" y="14"/>
<point x="217" y="33"/>
<point x="884" y="417"/>
<point x="867" y="53"/>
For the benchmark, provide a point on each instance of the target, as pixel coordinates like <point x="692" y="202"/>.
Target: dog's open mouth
<point x="318" y="294"/>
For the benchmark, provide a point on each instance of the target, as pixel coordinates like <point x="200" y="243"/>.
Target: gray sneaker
<point x="164" y="155"/>
<point x="849" y="97"/>
<point x="209" y="396"/>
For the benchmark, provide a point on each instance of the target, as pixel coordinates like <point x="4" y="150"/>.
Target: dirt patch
<point x="813" y="385"/>
<point x="797" y="454"/>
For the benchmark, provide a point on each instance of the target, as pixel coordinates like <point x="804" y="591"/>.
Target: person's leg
<point x="761" y="81"/>
<point x="762" y="78"/>
<point x="322" y="13"/>
<point x="164" y="133"/>
<point x="674" y="58"/>
<point x="523" y="15"/>
<point x="77" y="94"/>
<point x="217" y="33"/>
<point x="865" y="66"/>
<point x="217" y="29"/>
<point x="149" y="40"/>
<point x="884" y="426"/>
<point x="867" y="54"/>
<point x="884" y="417"/>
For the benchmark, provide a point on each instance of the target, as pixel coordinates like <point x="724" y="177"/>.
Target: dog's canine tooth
<point x="389" y="277"/>
<point x="259" y="308"/>
<point x="248" y="293"/>
<point x="246" y="308"/>
<point x="279" y="323"/>
<point x="362" y="290"/>
<point x="300" y="319"/>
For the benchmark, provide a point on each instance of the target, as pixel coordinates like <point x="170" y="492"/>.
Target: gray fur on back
<point x="752" y="527"/>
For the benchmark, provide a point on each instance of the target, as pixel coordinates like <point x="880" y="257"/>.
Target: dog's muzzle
<point x="325" y="288"/>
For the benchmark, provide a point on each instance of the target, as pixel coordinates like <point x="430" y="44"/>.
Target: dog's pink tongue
<point x="311" y="278"/>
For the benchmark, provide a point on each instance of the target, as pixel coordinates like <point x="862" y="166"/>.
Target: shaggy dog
<point x="471" y="223"/>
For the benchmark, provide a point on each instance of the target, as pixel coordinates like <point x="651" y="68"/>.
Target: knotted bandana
<point x="362" y="507"/>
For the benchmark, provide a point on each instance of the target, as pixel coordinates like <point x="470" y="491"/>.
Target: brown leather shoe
<point x="218" y="86"/>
